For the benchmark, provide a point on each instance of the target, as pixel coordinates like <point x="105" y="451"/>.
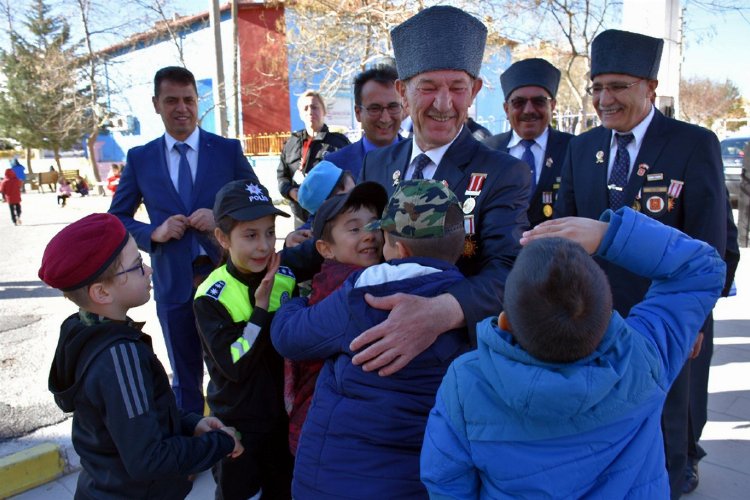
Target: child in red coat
<point x="11" y="189"/>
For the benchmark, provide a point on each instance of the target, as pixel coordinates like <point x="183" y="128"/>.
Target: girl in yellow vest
<point x="233" y="308"/>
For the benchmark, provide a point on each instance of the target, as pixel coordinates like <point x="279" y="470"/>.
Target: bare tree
<point x="703" y="101"/>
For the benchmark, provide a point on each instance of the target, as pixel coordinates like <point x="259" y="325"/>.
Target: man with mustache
<point x="530" y="87"/>
<point x="438" y="56"/>
<point x="667" y="169"/>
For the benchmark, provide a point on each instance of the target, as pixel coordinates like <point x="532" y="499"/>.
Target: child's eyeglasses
<point x="134" y="268"/>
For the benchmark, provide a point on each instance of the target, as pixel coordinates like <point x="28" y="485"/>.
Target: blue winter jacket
<point x="506" y="425"/>
<point x="363" y="432"/>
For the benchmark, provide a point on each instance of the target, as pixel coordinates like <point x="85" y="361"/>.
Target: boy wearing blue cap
<point x="132" y="439"/>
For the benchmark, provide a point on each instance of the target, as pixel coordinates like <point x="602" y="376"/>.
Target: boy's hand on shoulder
<point x="586" y="232"/>
<point x="263" y="292"/>
<point x="207" y="424"/>
<point x="238" y="448"/>
<point x="297" y="237"/>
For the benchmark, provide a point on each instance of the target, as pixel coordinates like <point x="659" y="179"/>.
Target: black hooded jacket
<point x="132" y="439"/>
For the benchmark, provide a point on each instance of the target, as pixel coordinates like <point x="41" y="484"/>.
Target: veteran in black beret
<point x="530" y="89"/>
<point x="667" y="169"/>
<point x="438" y="57"/>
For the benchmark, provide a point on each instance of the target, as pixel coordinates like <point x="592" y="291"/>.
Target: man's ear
<point x="222" y="238"/>
<point x="99" y="294"/>
<point x="324" y="249"/>
<point x="504" y="323"/>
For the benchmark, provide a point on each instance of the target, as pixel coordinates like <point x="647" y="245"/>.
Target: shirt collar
<point x="639" y="131"/>
<point x="515" y="139"/>
<point x="193" y="140"/>
<point x="436" y="155"/>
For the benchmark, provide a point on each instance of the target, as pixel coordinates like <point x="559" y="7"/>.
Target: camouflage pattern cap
<point x="417" y="210"/>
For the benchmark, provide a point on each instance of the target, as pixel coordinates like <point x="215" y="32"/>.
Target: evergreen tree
<point x="41" y="106"/>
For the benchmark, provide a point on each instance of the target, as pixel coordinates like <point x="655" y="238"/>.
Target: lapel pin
<point x="396" y="177"/>
<point x="642" y="169"/>
<point x="600" y="157"/>
<point x="548" y="163"/>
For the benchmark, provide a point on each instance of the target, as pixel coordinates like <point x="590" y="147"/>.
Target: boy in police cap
<point x="233" y="309"/>
<point x="132" y="439"/>
<point x="363" y="432"/>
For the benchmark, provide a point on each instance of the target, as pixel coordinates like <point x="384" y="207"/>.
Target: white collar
<point x="515" y="139"/>
<point x="639" y="131"/>
<point x="193" y="140"/>
<point x="436" y="155"/>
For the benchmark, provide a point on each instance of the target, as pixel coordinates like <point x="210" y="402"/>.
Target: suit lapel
<point x="163" y="158"/>
<point x="546" y="177"/>
<point x="459" y="155"/>
<point x="649" y="152"/>
<point x="205" y="152"/>
<point x="600" y="196"/>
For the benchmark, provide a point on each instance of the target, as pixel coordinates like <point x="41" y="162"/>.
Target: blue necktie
<point x="420" y="162"/>
<point x="184" y="176"/>
<point x="528" y="157"/>
<point x="618" y="178"/>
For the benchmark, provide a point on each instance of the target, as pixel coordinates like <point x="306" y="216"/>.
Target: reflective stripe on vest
<point x="234" y="296"/>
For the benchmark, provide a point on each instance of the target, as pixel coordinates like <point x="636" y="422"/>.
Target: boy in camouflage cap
<point x="362" y="425"/>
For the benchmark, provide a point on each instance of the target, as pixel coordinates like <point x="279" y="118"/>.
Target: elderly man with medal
<point x="438" y="56"/>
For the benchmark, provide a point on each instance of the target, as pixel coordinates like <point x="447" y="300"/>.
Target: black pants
<point x="63" y="198"/>
<point x="266" y="464"/>
<point x="674" y="423"/>
<point x="15" y="212"/>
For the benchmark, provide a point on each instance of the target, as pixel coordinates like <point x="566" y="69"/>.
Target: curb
<point x="29" y="468"/>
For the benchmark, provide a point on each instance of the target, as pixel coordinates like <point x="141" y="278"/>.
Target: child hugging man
<point x="346" y="248"/>
<point x="233" y="309"/>
<point x="363" y="432"/>
<point x="132" y="439"/>
<point x="563" y="397"/>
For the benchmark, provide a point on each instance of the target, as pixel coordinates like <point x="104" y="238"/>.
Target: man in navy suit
<point x="177" y="177"/>
<point x="438" y="55"/>
<point x="530" y="87"/>
<point x="377" y="106"/>
<point x="667" y="169"/>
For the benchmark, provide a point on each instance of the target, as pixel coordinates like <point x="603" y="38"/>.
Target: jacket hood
<point x="555" y="399"/>
<point x="10" y="174"/>
<point x="78" y="345"/>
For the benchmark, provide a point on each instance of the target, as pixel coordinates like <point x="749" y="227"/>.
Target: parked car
<point x="732" y="155"/>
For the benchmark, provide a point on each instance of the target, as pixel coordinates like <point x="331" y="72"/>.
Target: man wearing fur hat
<point x="438" y="56"/>
<point x="530" y="88"/>
<point x="667" y="169"/>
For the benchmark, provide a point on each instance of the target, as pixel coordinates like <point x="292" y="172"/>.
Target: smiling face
<point x="624" y="109"/>
<point x="350" y="244"/>
<point x="529" y="111"/>
<point x="438" y="103"/>
<point x="177" y="104"/>
<point x="380" y="128"/>
<point x="250" y="243"/>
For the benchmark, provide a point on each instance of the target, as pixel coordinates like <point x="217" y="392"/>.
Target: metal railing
<point x="264" y="144"/>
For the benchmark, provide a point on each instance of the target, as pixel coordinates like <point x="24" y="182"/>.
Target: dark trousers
<point x="185" y="354"/>
<point x="266" y="464"/>
<point x="15" y="211"/>
<point x="674" y="422"/>
<point x="63" y="198"/>
<point x="699" y="369"/>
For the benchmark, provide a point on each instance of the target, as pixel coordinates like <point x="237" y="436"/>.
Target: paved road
<point x="30" y="315"/>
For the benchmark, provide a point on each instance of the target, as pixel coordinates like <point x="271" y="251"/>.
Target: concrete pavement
<point x="30" y="315"/>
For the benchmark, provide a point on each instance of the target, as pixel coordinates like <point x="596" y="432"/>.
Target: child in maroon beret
<point x="132" y="439"/>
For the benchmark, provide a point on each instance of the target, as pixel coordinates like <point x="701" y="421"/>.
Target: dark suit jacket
<point x="348" y="158"/>
<point x="672" y="150"/>
<point x="146" y="179"/>
<point x="549" y="179"/>
<point x="500" y="213"/>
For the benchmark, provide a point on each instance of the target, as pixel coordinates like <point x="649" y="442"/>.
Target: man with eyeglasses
<point x="530" y="88"/>
<point x="438" y="56"/>
<point x="667" y="169"/>
<point x="377" y="106"/>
